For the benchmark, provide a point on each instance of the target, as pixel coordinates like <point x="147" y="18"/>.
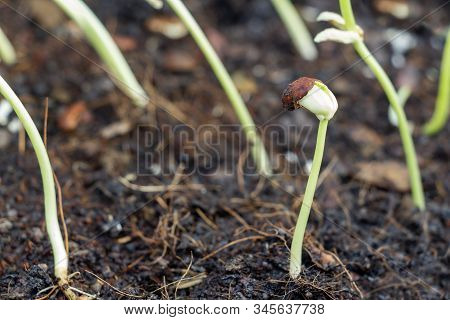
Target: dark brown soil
<point x="228" y="239"/>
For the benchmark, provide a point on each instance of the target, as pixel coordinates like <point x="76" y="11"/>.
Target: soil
<point x="221" y="236"/>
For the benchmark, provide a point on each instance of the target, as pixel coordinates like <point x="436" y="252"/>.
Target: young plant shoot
<point x="403" y="95"/>
<point x="349" y="32"/>
<point x="296" y="28"/>
<point x="258" y="150"/>
<point x="7" y="52"/>
<point x="157" y="4"/>
<point x="60" y="257"/>
<point x="315" y="96"/>
<point x="105" y="46"/>
<point x="441" y="110"/>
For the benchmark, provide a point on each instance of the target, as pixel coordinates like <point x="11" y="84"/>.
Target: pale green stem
<point x="302" y="220"/>
<point x="441" y="110"/>
<point x="296" y="28"/>
<point x="258" y="151"/>
<point x="51" y="218"/>
<point x="7" y="52"/>
<point x="391" y="93"/>
<point x="403" y="94"/>
<point x="157" y="4"/>
<point x="105" y="46"/>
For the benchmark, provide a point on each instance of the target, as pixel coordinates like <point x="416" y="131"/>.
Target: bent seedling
<point x="248" y="125"/>
<point x="403" y="95"/>
<point x="105" y="46"/>
<point x="60" y="256"/>
<point x="315" y="96"/>
<point x="347" y="31"/>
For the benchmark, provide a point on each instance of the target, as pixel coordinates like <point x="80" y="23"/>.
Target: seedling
<point x="258" y="151"/>
<point x="441" y="110"/>
<point x="60" y="256"/>
<point x="7" y="52"/>
<point x="403" y="95"/>
<point x="296" y="28"/>
<point x="349" y="32"/>
<point x="105" y="46"/>
<point x="407" y="82"/>
<point x="157" y="4"/>
<point x="315" y="96"/>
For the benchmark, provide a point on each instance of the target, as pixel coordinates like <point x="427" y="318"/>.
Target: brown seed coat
<point x="296" y="91"/>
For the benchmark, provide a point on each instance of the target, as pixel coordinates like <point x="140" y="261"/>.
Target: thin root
<point x="112" y="287"/>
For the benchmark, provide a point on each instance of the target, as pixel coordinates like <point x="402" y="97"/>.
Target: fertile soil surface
<point x="223" y="236"/>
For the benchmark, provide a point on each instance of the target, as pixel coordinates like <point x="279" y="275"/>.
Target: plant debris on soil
<point x="221" y="236"/>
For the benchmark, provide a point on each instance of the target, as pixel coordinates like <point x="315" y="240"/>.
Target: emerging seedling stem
<point x="257" y="147"/>
<point x="317" y="98"/>
<point x="441" y="110"/>
<point x="60" y="257"/>
<point x="7" y="52"/>
<point x="105" y="46"/>
<point x="350" y="32"/>
<point x="296" y="28"/>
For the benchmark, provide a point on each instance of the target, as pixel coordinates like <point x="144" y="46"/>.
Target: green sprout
<point x="105" y="46"/>
<point x="317" y="98"/>
<point x="296" y="28"/>
<point x="348" y="31"/>
<point x="403" y="95"/>
<point x="441" y="110"/>
<point x="7" y="52"/>
<point x="258" y="150"/>
<point x="60" y="256"/>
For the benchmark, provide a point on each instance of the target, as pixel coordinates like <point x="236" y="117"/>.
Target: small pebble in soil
<point x="171" y="27"/>
<point x="291" y="157"/>
<point x="398" y="60"/>
<point x="218" y="110"/>
<point x="38" y="235"/>
<point x="5" y="226"/>
<point x="43" y="266"/>
<point x="5" y="111"/>
<point x="235" y="263"/>
<point x="5" y="139"/>
<point x="259" y="71"/>
<point x="15" y="125"/>
<point x="114" y="227"/>
<point x="97" y="286"/>
<point x="12" y="213"/>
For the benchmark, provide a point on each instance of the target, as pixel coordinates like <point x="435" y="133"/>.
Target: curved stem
<point x="258" y="151"/>
<point x="403" y="95"/>
<point x="51" y="218"/>
<point x="299" y="233"/>
<point x="296" y="28"/>
<point x="441" y="110"/>
<point x="105" y="46"/>
<point x="7" y="52"/>
<point x="391" y="93"/>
